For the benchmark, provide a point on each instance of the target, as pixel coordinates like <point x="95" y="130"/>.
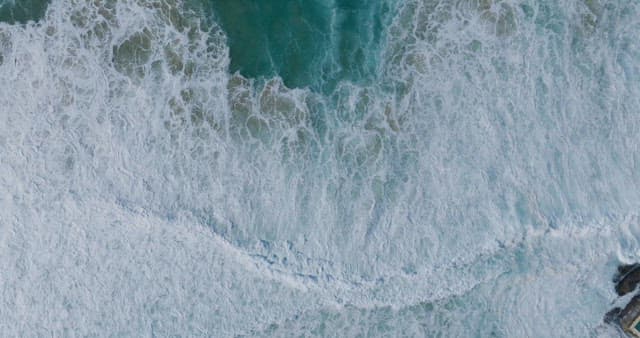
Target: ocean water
<point x="312" y="44"/>
<point x="22" y="11"/>
<point x="331" y="168"/>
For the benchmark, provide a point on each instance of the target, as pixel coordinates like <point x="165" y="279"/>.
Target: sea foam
<point x="487" y="173"/>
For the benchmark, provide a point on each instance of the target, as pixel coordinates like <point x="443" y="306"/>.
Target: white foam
<point x="145" y="188"/>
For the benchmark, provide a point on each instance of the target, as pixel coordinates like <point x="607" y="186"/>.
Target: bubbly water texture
<point x="467" y="168"/>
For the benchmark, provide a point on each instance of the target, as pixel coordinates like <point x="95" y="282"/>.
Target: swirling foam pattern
<point x="428" y="168"/>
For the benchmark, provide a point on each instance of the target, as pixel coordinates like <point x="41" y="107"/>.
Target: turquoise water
<point x="317" y="168"/>
<point x="21" y="11"/>
<point x="313" y="43"/>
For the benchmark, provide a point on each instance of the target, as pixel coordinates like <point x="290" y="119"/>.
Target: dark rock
<point x="626" y="319"/>
<point x="627" y="278"/>
<point x="629" y="315"/>
<point x="623" y="270"/>
<point x="613" y="316"/>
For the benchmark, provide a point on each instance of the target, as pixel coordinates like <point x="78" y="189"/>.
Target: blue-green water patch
<point x="310" y="43"/>
<point x="22" y="11"/>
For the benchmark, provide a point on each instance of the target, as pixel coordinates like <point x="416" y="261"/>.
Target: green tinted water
<point x="21" y="11"/>
<point x="314" y="43"/>
<point x="311" y="43"/>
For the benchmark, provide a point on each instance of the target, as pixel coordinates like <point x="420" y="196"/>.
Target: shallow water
<point x="327" y="168"/>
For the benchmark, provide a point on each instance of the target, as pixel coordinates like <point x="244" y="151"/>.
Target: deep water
<point x="22" y="11"/>
<point x="314" y="43"/>
<point x="322" y="168"/>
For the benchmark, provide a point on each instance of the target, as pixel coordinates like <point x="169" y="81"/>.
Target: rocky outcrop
<point x="627" y="278"/>
<point x="629" y="314"/>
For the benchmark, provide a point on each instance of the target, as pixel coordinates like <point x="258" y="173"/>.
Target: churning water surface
<point x="320" y="167"/>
